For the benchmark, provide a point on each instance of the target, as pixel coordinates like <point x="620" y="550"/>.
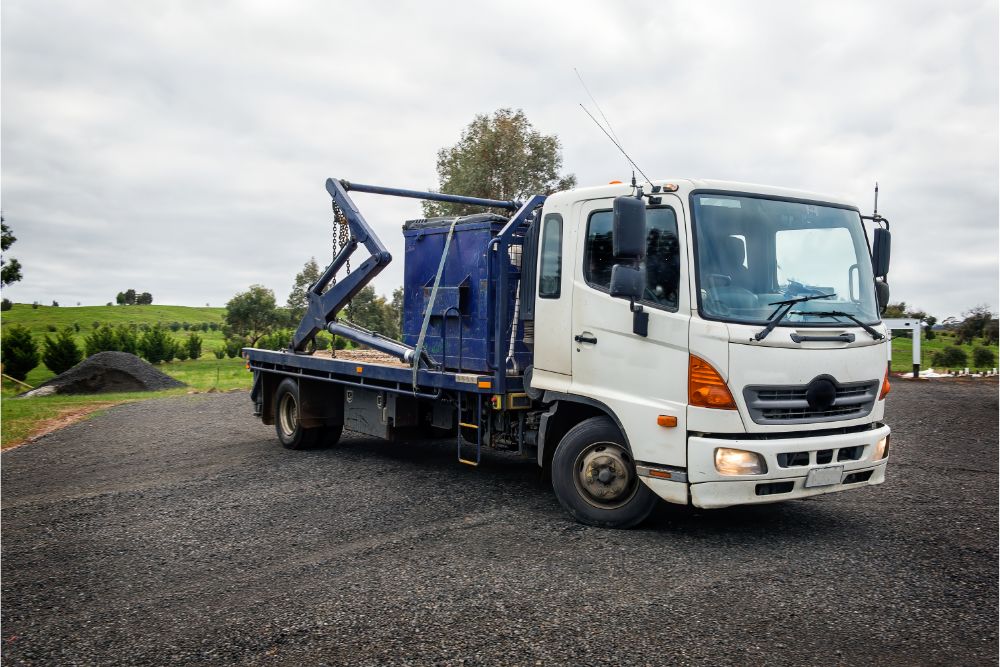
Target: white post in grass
<point x="916" y="326"/>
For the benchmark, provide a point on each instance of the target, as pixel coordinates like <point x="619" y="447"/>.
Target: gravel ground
<point x="177" y="531"/>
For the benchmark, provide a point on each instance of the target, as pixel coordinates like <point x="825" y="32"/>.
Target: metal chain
<point x="343" y="232"/>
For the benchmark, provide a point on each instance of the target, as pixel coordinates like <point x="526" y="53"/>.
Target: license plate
<point x="824" y="476"/>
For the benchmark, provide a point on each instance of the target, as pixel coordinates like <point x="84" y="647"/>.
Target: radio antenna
<point x="599" y="109"/>
<point x="875" y="211"/>
<point x="617" y="145"/>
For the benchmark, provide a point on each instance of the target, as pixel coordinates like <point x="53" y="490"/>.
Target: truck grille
<point x="789" y="405"/>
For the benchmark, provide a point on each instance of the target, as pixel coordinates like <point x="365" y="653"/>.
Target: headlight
<point x="881" y="449"/>
<point x="738" y="462"/>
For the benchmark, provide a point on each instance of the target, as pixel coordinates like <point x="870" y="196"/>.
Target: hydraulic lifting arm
<point x="324" y="307"/>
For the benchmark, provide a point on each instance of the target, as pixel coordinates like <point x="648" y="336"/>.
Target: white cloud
<point x="181" y="148"/>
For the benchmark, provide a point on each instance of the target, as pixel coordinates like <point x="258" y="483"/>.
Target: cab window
<point x="662" y="263"/>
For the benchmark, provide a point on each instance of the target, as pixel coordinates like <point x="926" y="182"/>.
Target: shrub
<point x="214" y="326"/>
<point x="983" y="357"/>
<point x="55" y="304"/>
<point x="51" y="328"/>
<point x="95" y="324"/>
<point x="233" y="347"/>
<point x="61" y="354"/>
<point x="101" y="340"/>
<point x="126" y="339"/>
<point x="20" y="354"/>
<point x="220" y="353"/>
<point x="175" y="326"/>
<point x="204" y="326"/>
<point x="185" y="325"/>
<point x="322" y="341"/>
<point x="949" y="357"/>
<point x="339" y="343"/>
<point x="156" y="346"/>
<point x="181" y="352"/>
<point x="6" y="304"/>
<point x="34" y="305"/>
<point x="193" y="345"/>
<point x="76" y="327"/>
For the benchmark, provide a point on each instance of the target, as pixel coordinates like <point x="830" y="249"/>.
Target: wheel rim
<point x="604" y="475"/>
<point x="288" y="415"/>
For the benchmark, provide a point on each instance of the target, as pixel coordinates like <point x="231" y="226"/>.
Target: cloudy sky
<point x="180" y="148"/>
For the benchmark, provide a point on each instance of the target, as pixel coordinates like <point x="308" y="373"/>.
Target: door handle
<point x="585" y="338"/>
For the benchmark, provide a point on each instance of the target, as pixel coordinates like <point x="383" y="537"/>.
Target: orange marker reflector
<point x="485" y="384"/>
<point x="359" y="368"/>
<point x="670" y="187"/>
<point x="248" y="365"/>
<point x="668" y="421"/>
<point x="660" y="474"/>
<point x="614" y="182"/>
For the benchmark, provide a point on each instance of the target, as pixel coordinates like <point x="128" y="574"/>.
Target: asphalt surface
<point x="177" y="531"/>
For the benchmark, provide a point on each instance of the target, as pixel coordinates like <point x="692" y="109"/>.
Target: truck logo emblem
<point x="821" y="393"/>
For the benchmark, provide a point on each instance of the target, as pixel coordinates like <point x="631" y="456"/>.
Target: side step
<point x="476" y="426"/>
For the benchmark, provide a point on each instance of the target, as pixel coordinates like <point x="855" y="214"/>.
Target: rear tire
<point x="290" y="432"/>
<point x="594" y="477"/>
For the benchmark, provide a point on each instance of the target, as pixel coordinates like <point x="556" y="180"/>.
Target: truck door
<point x="553" y="301"/>
<point x="637" y="377"/>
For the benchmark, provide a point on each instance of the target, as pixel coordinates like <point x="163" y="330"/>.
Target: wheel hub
<point x="605" y="474"/>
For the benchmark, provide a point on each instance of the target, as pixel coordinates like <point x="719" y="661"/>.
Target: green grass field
<point x="40" y="320"/>
<point x="902" y="352"/>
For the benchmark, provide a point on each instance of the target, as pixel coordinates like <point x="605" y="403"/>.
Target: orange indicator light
<point x="669" y="421"/>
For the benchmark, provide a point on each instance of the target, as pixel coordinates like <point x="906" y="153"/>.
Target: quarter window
<point x="550" y="275"/>
<point x="662" y="263"/>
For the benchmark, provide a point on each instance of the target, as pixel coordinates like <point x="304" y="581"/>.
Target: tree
<point x="120" y="298"/>
<point x="975" y="324"/>
<point x="6" y="304"/>
<point x="61" y="354"/>
<point x="193" y="345"/>
<point x="130" y="297"/>
<point x="253" y="313"/>
<point x="298" y="302"/>
<point x="10" y="269"/>
<point x="156" y="346"/>
<point x="895" y="310"/>
<point x="949" y="357"/>
<point x="499" y="157"/>
<point x="144" y="299"/>
<point x="983" y="357"/>
<point x="20" y="354"/>
<point x="373" y="312"/>
<point x="126" y="339"/>
<point x="101" y="340"/>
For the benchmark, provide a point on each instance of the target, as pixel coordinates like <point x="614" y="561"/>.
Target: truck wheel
<point x="594" y="477"/>
<point x="286" y="419"/>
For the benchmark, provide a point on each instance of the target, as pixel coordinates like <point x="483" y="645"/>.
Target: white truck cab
<point x="745" y="362"/>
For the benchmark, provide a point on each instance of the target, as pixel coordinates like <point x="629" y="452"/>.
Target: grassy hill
<point x="39" y="319"/>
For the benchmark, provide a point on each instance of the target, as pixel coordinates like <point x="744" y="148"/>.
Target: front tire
<point x="594" y="477"/>
<point x="290" y="432"/>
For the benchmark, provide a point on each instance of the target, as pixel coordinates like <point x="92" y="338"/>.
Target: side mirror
<point x="627" y="282"/>
<point x="880" y="252"/>
<point x="881" y="295"/>
<point x="629" y="229"/>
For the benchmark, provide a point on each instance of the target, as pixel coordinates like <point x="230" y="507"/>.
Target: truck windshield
<point x="752" y="252"/>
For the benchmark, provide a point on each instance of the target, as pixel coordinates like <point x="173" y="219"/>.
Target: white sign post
<point x="894" y="324"/>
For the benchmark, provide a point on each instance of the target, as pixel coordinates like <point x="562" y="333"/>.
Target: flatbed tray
<point x="361" y="367"/>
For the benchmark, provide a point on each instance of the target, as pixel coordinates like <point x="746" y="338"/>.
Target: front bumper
<point x="710" y="489"/>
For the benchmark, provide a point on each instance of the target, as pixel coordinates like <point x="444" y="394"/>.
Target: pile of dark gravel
<point x="107" y="372"/>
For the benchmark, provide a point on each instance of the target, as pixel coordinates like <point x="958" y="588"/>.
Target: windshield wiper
<point x="839" y="313"/>
<point x="783" y="308"/>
